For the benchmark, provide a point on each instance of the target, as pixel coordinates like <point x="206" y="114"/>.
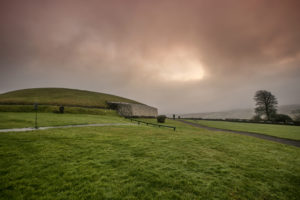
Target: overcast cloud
<point x="179" y="56"/>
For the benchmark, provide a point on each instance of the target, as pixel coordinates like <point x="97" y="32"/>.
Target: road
<point x="66" y="126"/>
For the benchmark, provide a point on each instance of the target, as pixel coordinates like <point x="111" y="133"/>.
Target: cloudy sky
<point x="180" y="56"/>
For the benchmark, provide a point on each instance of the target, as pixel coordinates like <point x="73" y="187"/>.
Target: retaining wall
<point x="134" y="110"/>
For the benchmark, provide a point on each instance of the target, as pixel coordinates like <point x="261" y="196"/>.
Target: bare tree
<point x="266" y="103"/>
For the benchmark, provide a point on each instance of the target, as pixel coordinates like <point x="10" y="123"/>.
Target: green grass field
<point x="142" y="162"/>
<point x="55" y="109"/>
<point x="282" y="131"/>
<point x="60" y="96"/>
<point x="22" y="120"/>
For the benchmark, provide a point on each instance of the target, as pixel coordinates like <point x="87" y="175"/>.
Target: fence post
<point x="36" y="109"/>
<point x="147" y="123"/>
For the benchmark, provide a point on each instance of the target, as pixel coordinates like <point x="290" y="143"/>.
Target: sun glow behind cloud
<point x="187" y="69"/>
<point x="177" y="66"/>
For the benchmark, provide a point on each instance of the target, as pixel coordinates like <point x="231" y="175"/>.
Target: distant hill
<point x="240" y="113"/>
<point x="60" y="96"/>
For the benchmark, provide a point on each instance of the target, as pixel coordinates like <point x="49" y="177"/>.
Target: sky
<point x="179" y="56"/>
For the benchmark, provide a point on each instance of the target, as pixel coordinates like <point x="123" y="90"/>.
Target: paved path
<point x="66" y="126"/>
<point x="257" y="135"/>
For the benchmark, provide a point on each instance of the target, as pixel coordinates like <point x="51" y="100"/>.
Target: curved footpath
<point x="257" y="135"/>
<point x="66" y="126"/>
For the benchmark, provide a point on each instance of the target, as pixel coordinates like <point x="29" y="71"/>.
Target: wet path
<point x="257" y="135"/>
<point x="66" y="126"/>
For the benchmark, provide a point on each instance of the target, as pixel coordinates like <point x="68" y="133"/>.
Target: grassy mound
<point x="60" y="96"/>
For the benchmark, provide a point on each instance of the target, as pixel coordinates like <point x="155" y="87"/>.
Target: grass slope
<point x="54" y="109"/>
<point x="22" y="120"/>
<point x="60" y="96"/>
<point x="140" y="162"/>
<point x="282" y="131"/>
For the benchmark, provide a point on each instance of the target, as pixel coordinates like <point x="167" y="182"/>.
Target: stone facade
<point x="133" y="110"/>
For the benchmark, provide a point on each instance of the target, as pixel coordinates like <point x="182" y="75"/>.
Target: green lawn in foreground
<point x="282" y="131"/>
<point x="21" y="120"/>
<point x="140" y="162"/>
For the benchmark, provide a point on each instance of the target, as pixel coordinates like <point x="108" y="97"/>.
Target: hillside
<point x="240" y="113"/>
<point x="59" y="96"/>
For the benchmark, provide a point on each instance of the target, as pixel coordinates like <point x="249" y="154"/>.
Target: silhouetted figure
<point x="61" y="109"/>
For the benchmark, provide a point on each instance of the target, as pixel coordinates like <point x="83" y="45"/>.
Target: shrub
<point x="256" y="118"/>
<point x="297" y="123"/>
<point x="161" y="118"/>
<point x="281" y="118"/>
